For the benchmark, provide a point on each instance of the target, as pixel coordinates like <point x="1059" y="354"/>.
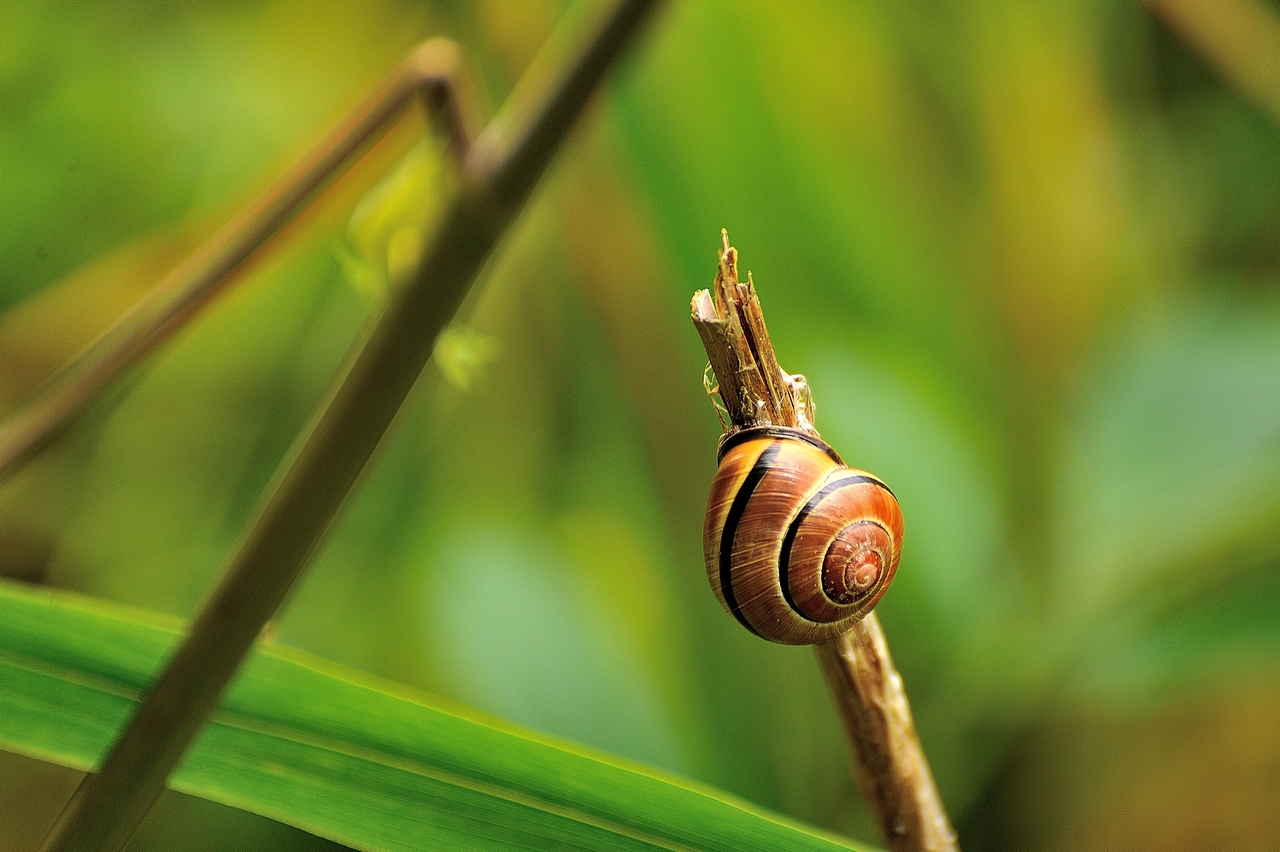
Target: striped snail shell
<point x="798" y="546"/>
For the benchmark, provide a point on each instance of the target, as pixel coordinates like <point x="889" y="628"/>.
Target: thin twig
<point x="497" y="179"/>
<point x="429" y="71"/>
<point x="888" y="764"/>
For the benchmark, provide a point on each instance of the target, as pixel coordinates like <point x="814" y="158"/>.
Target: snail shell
<point x="798" y="546"/>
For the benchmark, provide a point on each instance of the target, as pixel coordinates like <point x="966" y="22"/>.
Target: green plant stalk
<point x="498" y="176"/>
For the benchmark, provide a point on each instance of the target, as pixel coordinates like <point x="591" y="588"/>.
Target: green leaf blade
<point x="343" y="756"/>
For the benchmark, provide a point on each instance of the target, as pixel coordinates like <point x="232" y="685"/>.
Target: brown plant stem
<point x="889" y="765"/>
<point x="499" y="173"/>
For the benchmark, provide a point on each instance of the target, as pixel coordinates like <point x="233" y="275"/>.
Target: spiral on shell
<point x="798" y="546"/>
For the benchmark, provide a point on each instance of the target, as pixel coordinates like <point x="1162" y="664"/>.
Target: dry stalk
<point x="889" y="765"/>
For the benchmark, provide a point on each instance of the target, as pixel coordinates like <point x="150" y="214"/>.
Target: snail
<point x="798" y="546"/>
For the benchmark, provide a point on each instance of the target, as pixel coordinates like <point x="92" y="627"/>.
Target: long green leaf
<point x="340" y="755"/>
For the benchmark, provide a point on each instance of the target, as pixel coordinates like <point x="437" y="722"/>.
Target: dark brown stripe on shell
<point x="727" y="535"/>
<point x="784" y="432"/>
<point x="784" y="558"/>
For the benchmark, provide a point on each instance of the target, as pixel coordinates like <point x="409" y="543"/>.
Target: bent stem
<point x="429" y="71"/>
<point x="498" y="174"/>
<point x="889" y="765"/>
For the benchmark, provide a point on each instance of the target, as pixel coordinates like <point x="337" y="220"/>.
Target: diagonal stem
<point x="498" y="178"/>
<point x="429" y="71"/>
<point x="889" y="765"/>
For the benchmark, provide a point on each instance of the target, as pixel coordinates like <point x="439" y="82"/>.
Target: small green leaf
<point x="387" y="226"/>
<point x="462" y="354"/>
<point x="340" y="755"/>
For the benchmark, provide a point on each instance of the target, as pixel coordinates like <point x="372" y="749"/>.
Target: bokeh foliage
<point x="1025" y="253"/>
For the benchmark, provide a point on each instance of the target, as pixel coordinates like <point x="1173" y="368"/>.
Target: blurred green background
<point x="1027" y="254"/>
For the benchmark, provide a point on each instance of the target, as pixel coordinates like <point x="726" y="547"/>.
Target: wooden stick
<point x="888" y="764"/>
